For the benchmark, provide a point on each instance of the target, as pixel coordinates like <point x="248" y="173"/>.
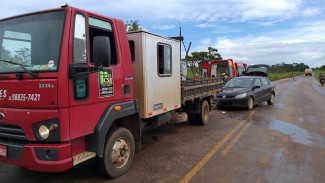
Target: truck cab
<point x="220" y="68"/>
<point x="64" y="81"/>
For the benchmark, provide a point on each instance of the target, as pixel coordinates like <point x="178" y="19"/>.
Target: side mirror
<point x="101" y="51"/>
<point x="255" y="87"/>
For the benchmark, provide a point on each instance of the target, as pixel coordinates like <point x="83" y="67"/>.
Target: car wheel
<point x="118" y="153"/>
<point x="250" y="103"/>
<point x="271" y="100"/>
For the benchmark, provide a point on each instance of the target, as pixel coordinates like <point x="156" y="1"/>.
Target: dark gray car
<point x="248" y="91"/>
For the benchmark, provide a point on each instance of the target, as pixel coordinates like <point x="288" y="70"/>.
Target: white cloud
<point x="181" y="10"/>
<point x="163" y="27"/>
<point x="205" y="25"/>
<point x="311" y="12"/>
<point x="304" y="43"/>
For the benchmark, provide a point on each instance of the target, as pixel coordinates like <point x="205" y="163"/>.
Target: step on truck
<point x="74" y="86"/>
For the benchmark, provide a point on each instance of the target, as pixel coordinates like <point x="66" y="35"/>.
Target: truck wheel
<point x="118" y="153"/>
<point x="202" y="118"/>
<point x="250" y="103"/>
<point x="191" y="118"/>
<point x="271" y="100"/>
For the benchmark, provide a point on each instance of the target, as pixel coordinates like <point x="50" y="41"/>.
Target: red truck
<point x="74" y="86"/>
<point x="216" y="68"/>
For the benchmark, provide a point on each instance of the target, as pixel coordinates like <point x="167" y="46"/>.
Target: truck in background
<point x="84" y="88"/>
<point x="308" y="72"/>
<point x="219" y="68"/>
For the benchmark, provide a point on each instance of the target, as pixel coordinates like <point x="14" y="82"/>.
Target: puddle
<point x="308" y="118"/>
<point x="280" y="105"/>
<point x="297" y="133"/>
<point x="320" y="89"/>
<point x="301" y="119"/>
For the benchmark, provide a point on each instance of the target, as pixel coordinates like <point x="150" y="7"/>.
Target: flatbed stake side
<point x="77" y="86"/>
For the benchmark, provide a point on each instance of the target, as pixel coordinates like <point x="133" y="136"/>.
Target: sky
<point x="250" y="31"/>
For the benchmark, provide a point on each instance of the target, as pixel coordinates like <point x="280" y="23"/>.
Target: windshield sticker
<point x="50" y="64"/>
<point x="106" y="88"/>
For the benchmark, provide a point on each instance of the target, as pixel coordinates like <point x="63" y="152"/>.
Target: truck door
<point x="91" y="90"/>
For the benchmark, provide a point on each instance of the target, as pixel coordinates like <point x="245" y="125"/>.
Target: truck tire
<point x="191" y="118"/>
<point x="118" y="153"/>
<point x="202" y="118"/>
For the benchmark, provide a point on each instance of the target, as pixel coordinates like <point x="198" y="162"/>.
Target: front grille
<point x="12" y="132"/>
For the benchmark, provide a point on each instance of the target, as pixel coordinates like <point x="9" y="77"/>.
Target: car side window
<point x="258" y="82"/>
<point x="264" y="81"/>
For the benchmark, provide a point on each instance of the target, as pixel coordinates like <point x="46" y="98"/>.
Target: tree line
<point x="288" y="68"/>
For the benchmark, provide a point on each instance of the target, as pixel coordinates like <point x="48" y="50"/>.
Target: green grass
<point x="316" y="74"/>
<point x="271" y="76"/>
<point x="190" y="73"/>
<point x="278" y="76"/>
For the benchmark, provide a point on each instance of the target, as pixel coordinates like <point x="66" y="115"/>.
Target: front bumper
<point x="232" y="102"/>
<point x="39" y="157"/>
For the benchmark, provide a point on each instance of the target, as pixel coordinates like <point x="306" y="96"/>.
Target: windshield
<point x="32" y="40"/>
<point x="239" y="83"/>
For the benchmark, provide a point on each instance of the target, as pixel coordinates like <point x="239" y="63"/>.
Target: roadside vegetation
<point x="316" y="73"/>
<point x="278" y="76"/>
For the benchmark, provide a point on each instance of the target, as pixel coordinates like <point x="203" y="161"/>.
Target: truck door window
<point x="79" y="41"/>
<point x="164" y="60"/>
<point x="98" y="27"/>
<point x="205" y="73"/>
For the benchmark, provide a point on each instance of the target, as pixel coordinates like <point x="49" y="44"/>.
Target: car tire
<point x="271" y="100"/>
<point x="250" y="103"/>
<point x="118" y="153"/>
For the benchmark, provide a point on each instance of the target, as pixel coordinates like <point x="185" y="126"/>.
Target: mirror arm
<point x="80" y="70"/>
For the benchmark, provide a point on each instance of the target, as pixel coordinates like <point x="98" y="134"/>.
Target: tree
<point x="5" y="54"/>
<point x="133" y="25"/>
<point x="23" y="55"/>
<point x="194" y="61"/>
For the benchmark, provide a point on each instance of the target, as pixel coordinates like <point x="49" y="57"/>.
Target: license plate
<point x="3" y="151"/>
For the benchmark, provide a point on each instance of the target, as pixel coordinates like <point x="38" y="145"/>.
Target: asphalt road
<point x="280" y="143"/>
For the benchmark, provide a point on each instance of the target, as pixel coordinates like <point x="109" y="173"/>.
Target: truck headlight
<point x="48" y="130"/>
<point x="241" y="95"/>
<point x="44" y="132"/>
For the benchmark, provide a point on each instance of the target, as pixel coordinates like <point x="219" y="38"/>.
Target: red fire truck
<point x="74" y="85"/>
<point x="217" y="68"/>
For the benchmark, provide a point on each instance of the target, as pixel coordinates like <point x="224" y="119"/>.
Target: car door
<point x="258" y="91"/>
<point x="266" y="89"/>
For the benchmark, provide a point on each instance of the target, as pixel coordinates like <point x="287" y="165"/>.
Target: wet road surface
<point x="280" y="143"/>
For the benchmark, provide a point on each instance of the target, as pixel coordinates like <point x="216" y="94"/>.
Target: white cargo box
<point x="156" y="73"/>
